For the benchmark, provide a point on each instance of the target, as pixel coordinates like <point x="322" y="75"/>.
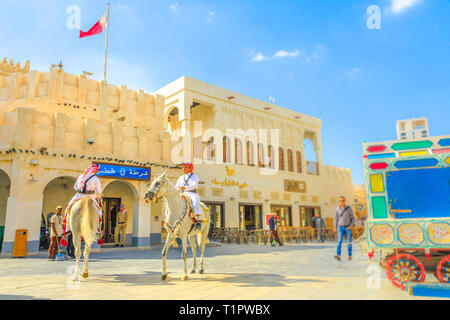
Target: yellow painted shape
<point x="447" y="161"/>
<point x="414" y="153"/>
<point x="376" y="183"/>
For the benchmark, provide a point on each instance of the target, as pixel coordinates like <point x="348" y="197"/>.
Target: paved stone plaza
<point x="295" y="271"/>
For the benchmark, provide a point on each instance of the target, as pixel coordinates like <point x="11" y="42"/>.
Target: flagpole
<point x="104" y="74"/>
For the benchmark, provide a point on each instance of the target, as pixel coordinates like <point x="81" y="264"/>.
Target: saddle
<point x="191" y="210"/>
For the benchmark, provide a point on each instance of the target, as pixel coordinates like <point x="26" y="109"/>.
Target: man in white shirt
<point x="188" y="184"/>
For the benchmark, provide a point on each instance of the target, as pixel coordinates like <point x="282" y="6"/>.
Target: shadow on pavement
<point x="239" y="279"/>
<point x="18" y="297"/>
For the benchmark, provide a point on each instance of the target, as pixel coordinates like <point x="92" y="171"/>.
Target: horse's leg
<point x="204" y="235"/>
<point x="184" y="255"/>
<point x="164" y="256"/>
<point x="194" y="252"/>
<point x="87" y="249"/>
<point x="77" y="244"/>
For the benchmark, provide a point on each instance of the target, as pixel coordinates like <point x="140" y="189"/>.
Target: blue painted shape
<point x="426" y="192"/>
<point x="155" y="238"/>
<point x="440" y="290"/>
<point x="382" y="155"/>
<point x="444" y="142"/>
<point x="125" y="172"/>
<point x="416" y="163"/>
<point x="140" y="241"/>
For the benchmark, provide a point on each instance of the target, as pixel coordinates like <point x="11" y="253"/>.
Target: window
<point x="299" y="161"/>
<point x="226" y="150"/>
<point x="271" y="156"/>
<point x="290" y="156"/>
<point x="260" y="155"/>
<point x="281" y="159"/>
<point x="250" y="156"/>
<point x="238" y="151"/>
<point x="211" y="149"/>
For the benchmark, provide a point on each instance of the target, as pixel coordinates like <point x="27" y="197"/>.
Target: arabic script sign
<point x="124" y="172"/>
<point x="294" y="186"/>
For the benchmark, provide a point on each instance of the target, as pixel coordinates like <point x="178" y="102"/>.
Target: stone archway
<point x="5" y="186"/>
<point x="115" y="193"/>
<point x="57" y="192"/>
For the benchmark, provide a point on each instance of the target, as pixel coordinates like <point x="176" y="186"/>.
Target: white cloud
<point x="399" y="6"/>
<point x="277" y="55"/>
<point x="352" y="73"/>
<point x="210" y="16"/>
<point x="174" y="7"/>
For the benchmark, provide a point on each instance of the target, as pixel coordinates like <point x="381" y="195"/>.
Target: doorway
<point x="217" y="214"/>
<point x="307" y="214"/>
<point x="110" y="209"/>
<point x="284" y="215"/>
<point x="250" y="216"/>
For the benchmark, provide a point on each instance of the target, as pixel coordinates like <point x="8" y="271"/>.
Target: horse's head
<point x="158" y="188"/>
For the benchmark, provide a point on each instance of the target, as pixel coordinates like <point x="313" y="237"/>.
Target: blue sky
<point x="315" y="57"/>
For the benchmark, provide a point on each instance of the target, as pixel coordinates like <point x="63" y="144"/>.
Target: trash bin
<point x="2" y="232"/>
<point x="20" y="243"/>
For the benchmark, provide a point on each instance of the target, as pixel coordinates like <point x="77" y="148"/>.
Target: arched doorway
<point x="115" y="194"/>
<point x="5" y="185"/>
<point x="57" y="192"/>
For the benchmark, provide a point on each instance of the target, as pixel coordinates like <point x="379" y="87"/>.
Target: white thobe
<point x="191" y="184"/>
<point x="92" y="185"/>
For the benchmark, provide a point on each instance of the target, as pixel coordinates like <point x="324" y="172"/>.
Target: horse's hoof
<point x="75" y="279"/>
<point x="193" y="271"/>
<point x="164" y="277"/>
<point x="184" y="278"/>
<point x="85" y="275"/>
<point x="201" y="271"/>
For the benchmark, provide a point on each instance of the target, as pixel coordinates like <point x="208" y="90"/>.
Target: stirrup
<point x="198" y="226"/>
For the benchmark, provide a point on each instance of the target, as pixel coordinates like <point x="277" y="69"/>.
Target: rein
<point x="173" y="227"/>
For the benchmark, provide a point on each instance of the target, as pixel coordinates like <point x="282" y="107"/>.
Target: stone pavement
<point x="295" y="271"/>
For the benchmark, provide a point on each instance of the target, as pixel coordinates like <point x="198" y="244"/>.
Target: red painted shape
<point x="437" y="151"/>
<point x="365" y="156"/>
<point x="378" y="165"/>
<point x="371" y="255"/>
<point x="377" y="148"/>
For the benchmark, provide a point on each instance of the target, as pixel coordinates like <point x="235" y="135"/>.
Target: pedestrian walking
<point x="274" y="231"/>
<point x="56" y="231"/>
<point x="320" y="225"/>
<point x="343" y="224"/>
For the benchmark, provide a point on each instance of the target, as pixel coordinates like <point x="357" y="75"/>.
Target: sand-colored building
<point x="54" y="124"/>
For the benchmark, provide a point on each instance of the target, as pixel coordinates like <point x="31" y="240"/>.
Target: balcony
<point x="312" y="168"/>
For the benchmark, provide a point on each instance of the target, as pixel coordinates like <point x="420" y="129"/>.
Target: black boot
<point x="198" y="226"/>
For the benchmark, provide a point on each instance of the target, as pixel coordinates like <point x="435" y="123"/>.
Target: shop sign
<point x="124" y="172"/>
<point x="229" y="182"/>
<point x="294" y="186"/>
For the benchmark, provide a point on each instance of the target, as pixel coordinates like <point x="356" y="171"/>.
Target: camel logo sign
<point x="124" y="172"/>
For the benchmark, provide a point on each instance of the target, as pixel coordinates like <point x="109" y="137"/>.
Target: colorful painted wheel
<point x="403" y="268"/>
<point x="443" y="269"/>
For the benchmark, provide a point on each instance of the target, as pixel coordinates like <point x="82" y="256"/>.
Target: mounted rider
<point x="188" y="185"/>
<point x="87" y="184"/>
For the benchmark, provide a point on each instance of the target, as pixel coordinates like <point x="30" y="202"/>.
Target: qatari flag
<point x="96" y="29"/>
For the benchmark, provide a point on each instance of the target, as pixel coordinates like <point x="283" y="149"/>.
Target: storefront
<point x="284" y="214"/>
<point x="306" y="215"/>
<point x="250" y="216"/>
<point x="217" y="213"/>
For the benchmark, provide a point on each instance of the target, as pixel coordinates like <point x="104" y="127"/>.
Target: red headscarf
<point x="90" y="171"/>
<point x="188" y="164"/>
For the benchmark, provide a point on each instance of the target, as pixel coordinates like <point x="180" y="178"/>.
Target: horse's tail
<point x="89" y="219"/>
<point x="205" y="231"/>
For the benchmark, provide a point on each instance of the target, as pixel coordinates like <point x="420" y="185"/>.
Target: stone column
<point x="141" y="223"/>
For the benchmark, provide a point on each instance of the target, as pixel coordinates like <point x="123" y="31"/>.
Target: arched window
<point x="211" y="149"/>
<point x="281" y="158"/>
<point x="226" y="150"/>
<point x="299" y="161"/>
<point x="238" y="151"/>
<point x="271" y="156"/>
<point x="290" y="157"/>
<point x="261" y="155"/>
<point x="250" y="156"/>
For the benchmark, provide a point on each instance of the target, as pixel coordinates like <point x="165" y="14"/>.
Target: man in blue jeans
<point x="343" y="224"/>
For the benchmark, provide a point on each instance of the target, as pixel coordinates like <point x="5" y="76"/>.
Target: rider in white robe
<point x="93" y="188"/>
<point x="188" y="184"/>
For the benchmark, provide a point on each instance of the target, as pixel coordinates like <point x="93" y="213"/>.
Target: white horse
<point x="178" y="223"/>
<point x="83" y="221"/>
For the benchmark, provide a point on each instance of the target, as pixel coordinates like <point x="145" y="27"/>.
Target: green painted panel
<point x="412" y="145"/>
<point x="379" y="210"/>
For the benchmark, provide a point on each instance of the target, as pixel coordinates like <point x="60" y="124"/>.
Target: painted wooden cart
<point x="408" y="199"/>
